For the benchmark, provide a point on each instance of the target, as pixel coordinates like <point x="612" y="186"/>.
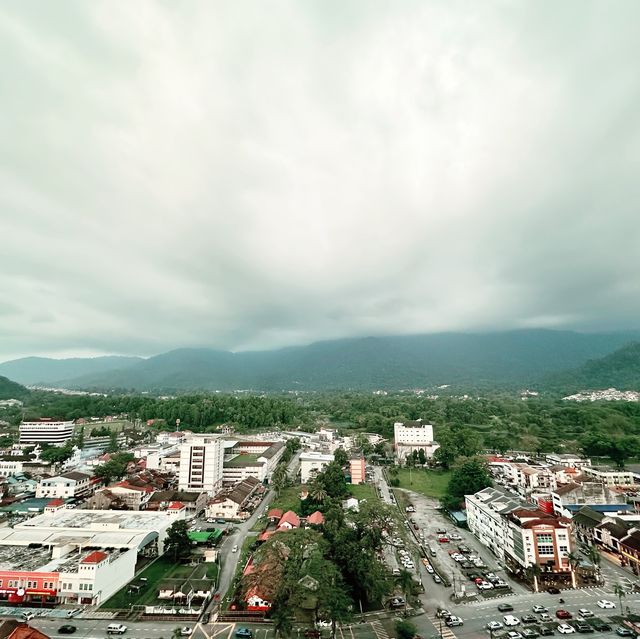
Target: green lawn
<point x="288" y="499"/>
<point x="162" y="568"/>
<point x="432" y="483"/>
<point x="363" y="491"/>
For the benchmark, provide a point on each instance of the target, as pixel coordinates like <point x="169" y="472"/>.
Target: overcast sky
<point x="258" y="174"/>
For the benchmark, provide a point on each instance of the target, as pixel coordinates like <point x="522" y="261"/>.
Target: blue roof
<point x="36" y="504"/>
<point x="600" y="508"/>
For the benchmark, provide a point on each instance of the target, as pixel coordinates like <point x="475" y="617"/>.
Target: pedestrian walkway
<point x="379" y="629"/>
<point x="443" y="630"/>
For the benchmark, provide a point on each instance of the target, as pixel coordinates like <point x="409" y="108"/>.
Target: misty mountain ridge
<point x="503" y="359"/>
<point x="620" y="370"/>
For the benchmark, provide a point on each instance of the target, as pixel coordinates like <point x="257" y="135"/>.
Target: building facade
<point x="413" y="436"/>
<point x="46" y="431"/>
<point x="201" y="464"/>
<point x="312" y="463"/>
<point x="68" y="485"/>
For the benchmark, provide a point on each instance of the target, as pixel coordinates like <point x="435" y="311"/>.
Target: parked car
<point x="505" y="607"/>
<point x="234" y="549"/>
<point x="437" y="579"/>
<point x="581" y="626"/>
<point x="494" y="625"/>
<point x="545" y="631"/>
<point x="605" y="603"/>
<point x="529" y="619"/>
<point x="429" y="569"/>
<point x="565" y="629"/>
<point x="545" y="617"/>
<point x="552" y="590"/>
<point x="510" y="620"/>
<point x="186" y="631"/>
<point x="529" y="633"/>
<point x="623" y="631"/>
<point x="67" y="629"/>
<point x="563" y="614"/>
<point x="538" y="609"/>
<point x="244" y="632"/>
<point x="513" y="635"/>
<point x="584" y="613"/>
<point x="601" y="626"/>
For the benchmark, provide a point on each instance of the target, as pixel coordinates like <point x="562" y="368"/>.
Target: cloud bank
<point x="251" y="175"/>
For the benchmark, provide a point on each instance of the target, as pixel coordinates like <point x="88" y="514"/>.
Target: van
<point x="116" y="629"/>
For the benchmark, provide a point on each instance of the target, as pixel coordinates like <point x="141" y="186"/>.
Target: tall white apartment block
<point x="413" y="435"/>
<point x="46" y="431"/>
<point x="201" y="459"/>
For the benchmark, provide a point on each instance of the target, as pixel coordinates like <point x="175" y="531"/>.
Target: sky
<point x="250" y="175"/>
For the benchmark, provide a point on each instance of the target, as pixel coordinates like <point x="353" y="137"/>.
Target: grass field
<point x="432" y="483"/>
<point x="288" y="499"/>
<point x="363" y="491"/>
<point x="162" y="568"/>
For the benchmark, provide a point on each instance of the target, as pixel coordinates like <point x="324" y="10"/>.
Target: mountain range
<point x="463" y="360"/>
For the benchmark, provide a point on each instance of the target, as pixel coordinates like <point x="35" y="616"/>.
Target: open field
<point x="363" y="491"/>
<point x="432" y="483"/>
<point x="288" y="499"/>
<point x="162" y="568"/>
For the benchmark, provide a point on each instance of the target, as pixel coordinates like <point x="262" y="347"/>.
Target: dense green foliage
<point x="469" y="476"/>
<point x="12" y="390"/>
<point x="177" y="544"/>
<point x="620" y="370"/>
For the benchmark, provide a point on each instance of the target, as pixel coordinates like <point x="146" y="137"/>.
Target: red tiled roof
<point x="265" y="535"/>
<point x="290" y="518"/>
<point x="94" y="557"/>
<point x="24" y="631"/>
<point x="316" y="518"/>
<point x="176" y="505"/>
<point x="275" y="512"/>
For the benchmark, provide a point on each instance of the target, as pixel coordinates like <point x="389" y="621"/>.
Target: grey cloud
<point x="246" y="176"/>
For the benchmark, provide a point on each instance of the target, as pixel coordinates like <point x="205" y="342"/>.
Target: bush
<point x="405" y="629"/>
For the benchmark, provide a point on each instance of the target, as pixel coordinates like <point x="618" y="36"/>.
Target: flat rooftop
<point x="39" y="559"/>
<point x="249" y="459"/>
<point x="98" y="520"/>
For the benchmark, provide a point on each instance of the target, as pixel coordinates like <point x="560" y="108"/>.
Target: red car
<point x="443" y="540"/>
<point x="563" y="614"/>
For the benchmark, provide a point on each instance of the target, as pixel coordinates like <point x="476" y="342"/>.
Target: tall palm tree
<point x="533" y="572"/>
<point x="620" y="591"/>
<point x="318" y="493"/>
<point x="593" y="555"/>
<point x="573" y="559"/>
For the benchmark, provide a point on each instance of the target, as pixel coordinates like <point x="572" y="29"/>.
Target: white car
<point x="514" y="635"/>
<point x="494" y="625"/>
<point x="454" y="621"/>
<point x="584" y="613"/>
<point x="605" y="603"/>
<point x="485" y="585"/>
<point x="544" y="617"/>
<point x="510" y="620"/>
<point x="234" y="549"/>
<point x="429" y="569"/>
<point x="565" y="629"/>
<point x="539" y="609"/>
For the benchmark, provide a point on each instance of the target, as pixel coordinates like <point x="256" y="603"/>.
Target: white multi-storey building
<point x="485" y="519"/>
<point x="201" y="461"/>
<point x="413" y="435"/>
<point x="610" y="476"/>
<point x="66" y="486"/>
<point x="46" y="431"/>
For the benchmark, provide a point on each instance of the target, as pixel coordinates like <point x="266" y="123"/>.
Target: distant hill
<point x="620" y="369"/>
<point x="506" y="359"/>
<point x="47" y="371"/>
<point x="11" y="390"/>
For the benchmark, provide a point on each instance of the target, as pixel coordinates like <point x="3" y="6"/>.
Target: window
<point x="545" y="550"/>
<point x="564" y="548"/>
<point x="545" y="539"/>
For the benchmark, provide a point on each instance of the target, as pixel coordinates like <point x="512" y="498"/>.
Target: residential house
<point x="585" y="523"/>
<point x="195" y="502"/>
<point x="288" y="521"/>
<point x="315" y="519"/>
<point x="233" y="504"/>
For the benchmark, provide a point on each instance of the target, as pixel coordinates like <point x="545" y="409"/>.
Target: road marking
<point x="379" y="629"/>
